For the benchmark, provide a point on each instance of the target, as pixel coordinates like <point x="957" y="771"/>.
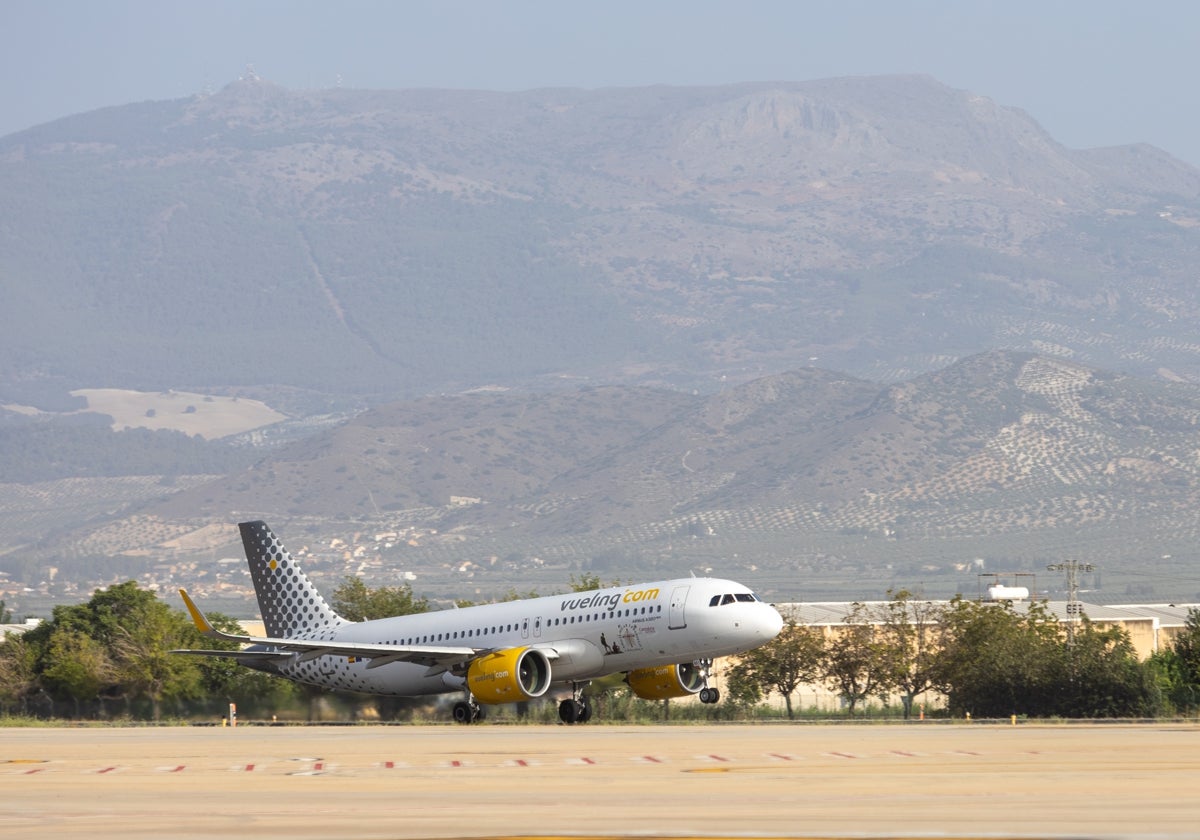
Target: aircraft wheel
<point x="570" y="712"/>
<point x="463" y="713"/>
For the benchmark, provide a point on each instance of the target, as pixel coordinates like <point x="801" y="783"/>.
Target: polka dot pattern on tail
<point x="291" y="606"/>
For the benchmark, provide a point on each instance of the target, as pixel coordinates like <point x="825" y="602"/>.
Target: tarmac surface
<point x="863" y="781"/>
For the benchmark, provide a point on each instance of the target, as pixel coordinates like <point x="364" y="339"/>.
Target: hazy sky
<point x="1093" y="73"/>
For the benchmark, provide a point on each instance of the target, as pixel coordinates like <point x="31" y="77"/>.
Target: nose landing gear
<point x="707" y="695"/>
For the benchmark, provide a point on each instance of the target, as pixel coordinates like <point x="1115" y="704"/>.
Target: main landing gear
<point x="575" y="709"/>
<point x="468" y="711"/>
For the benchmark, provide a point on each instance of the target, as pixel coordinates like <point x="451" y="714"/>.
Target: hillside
<point x="386" y="244"/>
<point x="808" y="484"/>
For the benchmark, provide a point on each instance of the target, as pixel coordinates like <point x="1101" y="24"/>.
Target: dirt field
<point x="923" y="780"/>
<point x="196" y="414"/>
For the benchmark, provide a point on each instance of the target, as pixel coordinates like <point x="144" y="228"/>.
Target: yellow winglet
<point x="202" y="623"/>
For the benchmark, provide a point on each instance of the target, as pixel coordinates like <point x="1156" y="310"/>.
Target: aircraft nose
<point x="772" y="622"/>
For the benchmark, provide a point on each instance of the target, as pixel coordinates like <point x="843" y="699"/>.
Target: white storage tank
<point x="999" y="592"/>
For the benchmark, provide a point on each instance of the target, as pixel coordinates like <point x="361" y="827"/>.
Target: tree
<point x="120" y="638"/>
<point x="910" y="636"/>
<point x="18" y="672"/>
<point x="78" y="666"/>
<point x="1184" y="656"/>
<point x="5" y="613"/>
<point x="855" y="663"/>
<point x="141" y="649"/>
<point x="353" y="600"/>
<point x="995" y="661"/>
<point x="782" y="665"/>
<point x="1103" y="677"/>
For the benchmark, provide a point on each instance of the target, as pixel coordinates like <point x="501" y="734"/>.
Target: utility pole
<point x="1074" y="608"/>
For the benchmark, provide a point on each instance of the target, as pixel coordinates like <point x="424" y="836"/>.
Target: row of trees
<point x="111" y="656"/>
<point x="986" y="659"/>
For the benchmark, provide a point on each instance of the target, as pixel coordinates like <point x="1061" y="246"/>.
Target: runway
<point x="917" y="780"/>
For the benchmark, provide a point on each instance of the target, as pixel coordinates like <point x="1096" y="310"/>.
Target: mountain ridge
<point x="1002" y="462"/>
<point x="391" y="243"/>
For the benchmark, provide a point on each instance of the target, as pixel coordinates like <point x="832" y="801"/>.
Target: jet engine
<point x="509" y="676"/>
<point x="665" y="681"/>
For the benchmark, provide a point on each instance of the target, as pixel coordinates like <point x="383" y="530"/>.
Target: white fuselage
<point x="585" y="635"/>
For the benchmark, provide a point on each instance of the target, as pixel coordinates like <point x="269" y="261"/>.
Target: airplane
<point x="663" y="636"/>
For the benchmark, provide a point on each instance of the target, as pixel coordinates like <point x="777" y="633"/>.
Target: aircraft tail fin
<point x="290" y="605"/>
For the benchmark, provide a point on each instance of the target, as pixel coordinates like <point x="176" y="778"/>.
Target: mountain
<point x="808" y="484"/>
<point x="825" y="336"/>
<point x="387" y="244"/>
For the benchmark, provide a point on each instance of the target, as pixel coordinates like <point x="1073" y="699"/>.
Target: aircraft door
<point x="677" y="620"/>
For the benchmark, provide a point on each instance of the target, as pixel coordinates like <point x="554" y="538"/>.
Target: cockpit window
<point x="727" y="598"/>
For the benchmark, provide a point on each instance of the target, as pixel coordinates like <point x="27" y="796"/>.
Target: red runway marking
<point x="966" y="752"/>
<point x="249" y="767"/>
<point x="107" y="770"/>
<point x="456" y="763"/>
<point x="650" y="759"/>
<point x="389" y="764"/>
<point x="842" y="755"/>
<point x="717" y="757"/>
<point x="319" y="766"/>
<point x="903" y="753"/>
<point x="177" y="769"/>
<point x="781" y="756"/>
<point x="520" y="762"/>
<point x="587" y="761"/>
<point x="34" y="770"/>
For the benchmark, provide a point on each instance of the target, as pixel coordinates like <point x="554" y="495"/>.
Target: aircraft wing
<point x="442" y="658"/>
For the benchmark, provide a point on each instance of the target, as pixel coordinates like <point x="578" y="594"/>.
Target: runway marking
<point x="781" y="756"/>
<point x="904" y="754"/>
<point x="712" y="757"/>
<point x="106" y="770"/>
<point x="841" y="755"/>
<point x="34" y="770"/>
<point x="519" y="762"/>
<point x="648" y="759"/>
<point x="582" y="760"/>
<point x="965" y="752"/>
<point x="177" y="768"/>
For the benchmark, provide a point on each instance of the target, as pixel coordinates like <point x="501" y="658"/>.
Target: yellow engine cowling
<point x="509" y="676"/>
<point x="665" y="681"/>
